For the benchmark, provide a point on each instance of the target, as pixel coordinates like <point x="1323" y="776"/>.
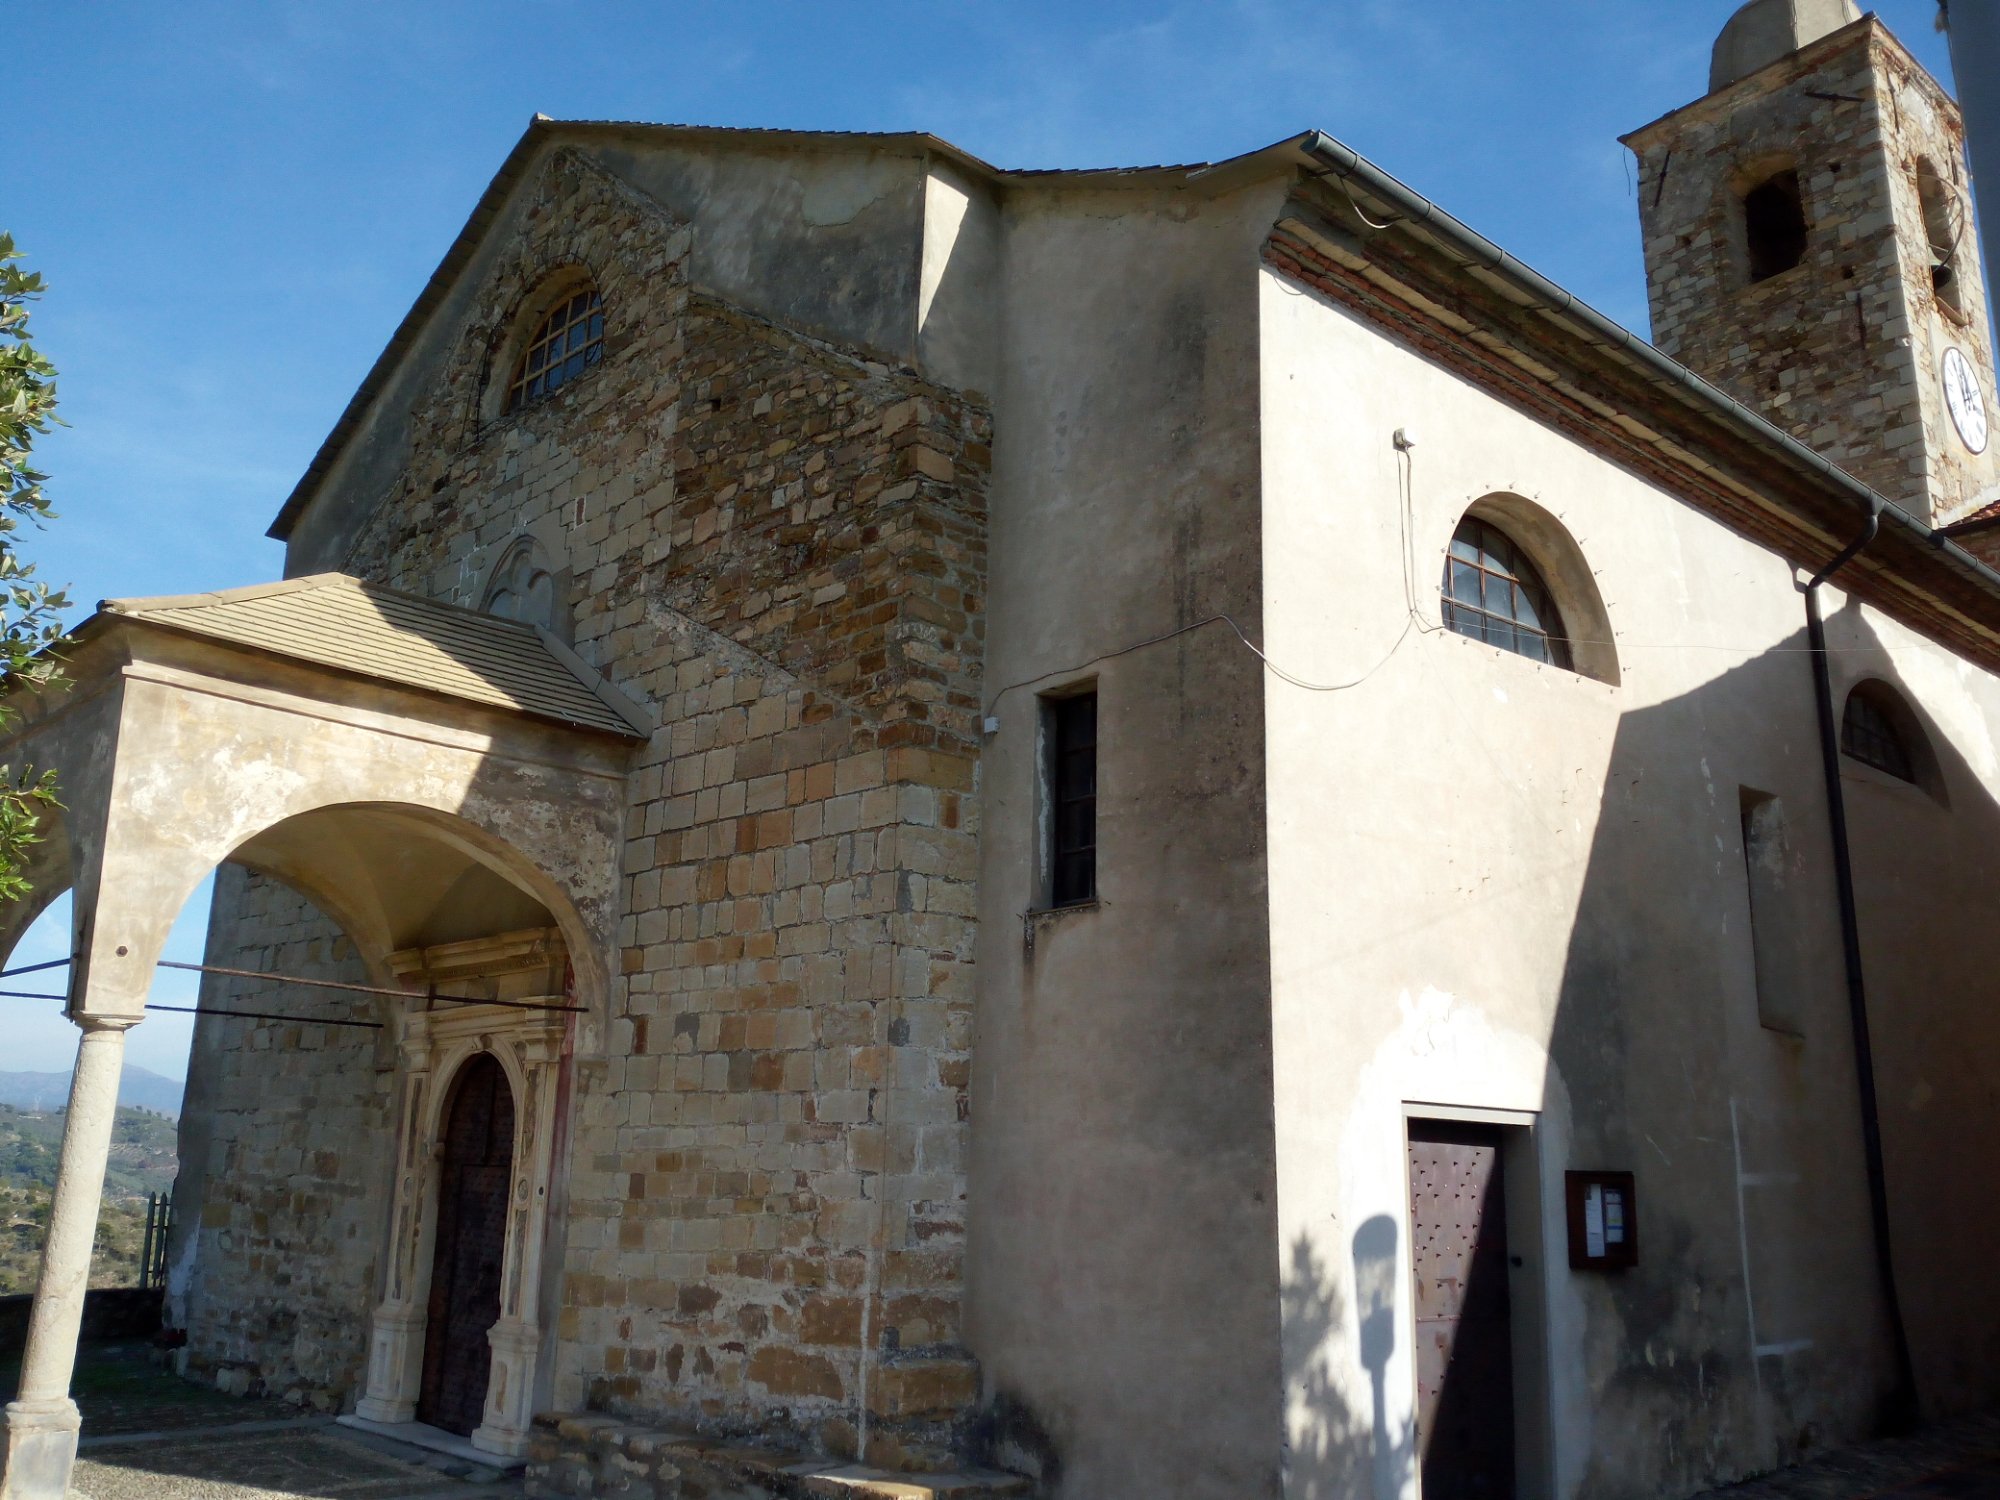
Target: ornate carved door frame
<point x="531" y="1047"/>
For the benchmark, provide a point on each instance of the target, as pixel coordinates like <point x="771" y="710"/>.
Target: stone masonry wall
<point x="1842" y="350"/>
<point x="275" y="1295"/>
<point x="779" y="546"/>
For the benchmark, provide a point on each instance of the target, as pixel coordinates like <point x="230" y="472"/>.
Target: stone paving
<point x="151" y="1436"/>
<point x="306" y="1457"/>
<point x="1959" y="1459"/>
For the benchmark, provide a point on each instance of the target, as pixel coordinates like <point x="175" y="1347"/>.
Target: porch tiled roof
<point x="333" y="620"/>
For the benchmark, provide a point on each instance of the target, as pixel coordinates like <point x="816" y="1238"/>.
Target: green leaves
<point x="31" y="631"/>
<point x="27" y="391"/>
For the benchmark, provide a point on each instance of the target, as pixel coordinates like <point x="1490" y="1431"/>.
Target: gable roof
<point x="542" y="131"/>
<point x="1922" y="560"/>
<point x="332" y="620"/>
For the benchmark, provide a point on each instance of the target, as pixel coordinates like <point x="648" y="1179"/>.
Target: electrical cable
<point x="1348" y="193"/>
<point x="1415" y="621"/>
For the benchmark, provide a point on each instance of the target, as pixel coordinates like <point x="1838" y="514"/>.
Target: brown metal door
<point x="471" y="1239"/>
<point x="1465" y="1352"/>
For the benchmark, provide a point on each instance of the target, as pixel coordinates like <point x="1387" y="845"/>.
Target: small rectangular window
<point x="1070" y="797"/>
<point x="1773" y="945"/>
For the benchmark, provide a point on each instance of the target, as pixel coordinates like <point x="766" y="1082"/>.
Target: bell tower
<point x="1809" y="248"/>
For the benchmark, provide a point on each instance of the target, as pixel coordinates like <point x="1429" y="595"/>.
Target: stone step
<point x="584" y="1454"/>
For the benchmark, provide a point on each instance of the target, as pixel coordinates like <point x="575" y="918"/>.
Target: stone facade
<point x="289" y="1127"/>
<point x="778" y="546"/>
<point x="1843" y="349"/>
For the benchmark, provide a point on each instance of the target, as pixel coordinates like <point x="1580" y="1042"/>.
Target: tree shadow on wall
<point x="1334" y="1452"/>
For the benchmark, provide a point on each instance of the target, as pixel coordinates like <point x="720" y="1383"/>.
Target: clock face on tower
<point x="1963" y="399"/>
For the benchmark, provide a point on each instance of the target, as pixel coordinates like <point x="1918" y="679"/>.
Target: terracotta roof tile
<point x="1980" y="516"/>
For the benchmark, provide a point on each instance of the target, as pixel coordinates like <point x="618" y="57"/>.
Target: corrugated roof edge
<point x="540" y="128"/>
<point x="149" y="610"/>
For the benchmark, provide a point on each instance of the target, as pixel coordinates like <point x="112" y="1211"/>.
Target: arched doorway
<point x="475" y="1163"/>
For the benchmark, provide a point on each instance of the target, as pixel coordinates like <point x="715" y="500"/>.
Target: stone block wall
<point x="779" y="547"/>
<point x="1841" y="350"/>
<point x="285" y="1157"/>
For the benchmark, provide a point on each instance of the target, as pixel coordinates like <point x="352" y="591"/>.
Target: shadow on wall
<point x="1337" y="1453"/>
<point x="1703" y="1038"/>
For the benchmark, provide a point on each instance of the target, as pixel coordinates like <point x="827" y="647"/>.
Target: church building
<point x="909" y="829"/>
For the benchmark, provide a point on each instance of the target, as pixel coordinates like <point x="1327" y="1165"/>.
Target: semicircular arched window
<point x="568" y="341"/>
<point x="1493" y="593"/>
<point x="1870" y="734"/>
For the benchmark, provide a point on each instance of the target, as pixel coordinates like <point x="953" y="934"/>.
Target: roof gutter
<point x="1900" y="1406"/>
<point x="1475" y="249"/>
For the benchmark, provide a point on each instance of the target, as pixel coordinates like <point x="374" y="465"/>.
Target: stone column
<point x="516" y="1339"/>
<point x="396" y="1332"/>
<point x="42" y="1420"/>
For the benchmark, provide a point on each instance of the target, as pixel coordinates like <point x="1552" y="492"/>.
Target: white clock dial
<point x="1962" y="398"/>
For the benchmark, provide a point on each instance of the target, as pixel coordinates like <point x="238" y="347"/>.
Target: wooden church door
<point x="1464" y="1353"/>
<point x="477" y="1161"/>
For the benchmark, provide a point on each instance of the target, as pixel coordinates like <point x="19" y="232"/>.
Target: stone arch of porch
<point x="353" y="743"/>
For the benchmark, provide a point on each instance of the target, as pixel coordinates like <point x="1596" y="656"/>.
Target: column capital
<point x="90" y="1022"/>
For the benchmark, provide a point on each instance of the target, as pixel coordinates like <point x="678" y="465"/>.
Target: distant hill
<point x="142" y="1161"/>
<point x="136" y="1087"/>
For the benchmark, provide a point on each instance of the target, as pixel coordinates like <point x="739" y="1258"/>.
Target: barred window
<point x="1070" y="768"/>
<point x="569" y="341"/>
<point x="1869" y="735"/>
<point x="1493" y="594"/>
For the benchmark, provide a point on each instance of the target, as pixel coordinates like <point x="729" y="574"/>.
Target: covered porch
<point x="447" y="787"/>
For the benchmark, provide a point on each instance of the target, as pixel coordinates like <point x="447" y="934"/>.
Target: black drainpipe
<point x="1900" y="1412"/>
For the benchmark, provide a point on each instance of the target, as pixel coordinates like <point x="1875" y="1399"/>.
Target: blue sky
<point x="234" y="204"/>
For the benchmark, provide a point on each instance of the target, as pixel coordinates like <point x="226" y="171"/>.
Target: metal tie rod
<point x="363" y="989"/>
<point x="54" y="963"/>
<point x="264" y="1015"/>
<point x="191" y="1010"/>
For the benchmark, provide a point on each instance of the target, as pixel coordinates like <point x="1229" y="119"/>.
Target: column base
<point x="500" y="1441"/>
<point x="371" y="1409"/>
<point x="41" y="1449"/>
<point x="509" y="1417"/>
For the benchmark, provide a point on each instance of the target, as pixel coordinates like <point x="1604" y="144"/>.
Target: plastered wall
<point x="1503" y="886"/>
<point x="1124" y="1303"/>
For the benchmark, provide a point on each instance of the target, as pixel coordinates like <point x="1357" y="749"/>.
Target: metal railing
<point x="153" y="1254"/>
